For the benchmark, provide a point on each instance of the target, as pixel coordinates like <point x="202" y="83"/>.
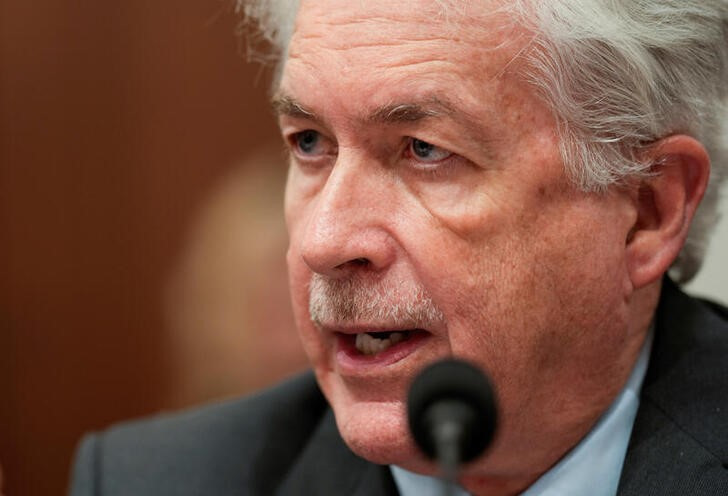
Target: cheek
<point x="533" y="287"/>
<point x="299" y="277"/>
<point x="293" y="200"/>
<point x="297" y="274"/>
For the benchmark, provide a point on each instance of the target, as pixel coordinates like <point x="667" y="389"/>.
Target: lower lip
<point x="352" y="360"/>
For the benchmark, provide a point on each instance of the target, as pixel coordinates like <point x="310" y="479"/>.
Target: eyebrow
<point x="410" y="112"/>
<point x="286" y="105"/>
<point x="394" y="113"/>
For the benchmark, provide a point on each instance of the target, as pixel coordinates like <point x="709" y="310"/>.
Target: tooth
<point x="363" y="343"/>
<point x="375" y="345"/>
<point x="369" y="345"/>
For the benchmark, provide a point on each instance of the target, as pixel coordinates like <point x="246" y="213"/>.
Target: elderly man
<point x="503" y="181"/>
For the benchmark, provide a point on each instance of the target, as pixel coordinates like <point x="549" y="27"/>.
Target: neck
<point x="642" y="307"/>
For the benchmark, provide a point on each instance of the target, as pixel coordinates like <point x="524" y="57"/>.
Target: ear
<point x="666" y="203"/>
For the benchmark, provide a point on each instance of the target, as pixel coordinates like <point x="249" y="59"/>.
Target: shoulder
<point x="679" y="443"/>
<point x="688" y="372"/>
<point x="220" y="448"/>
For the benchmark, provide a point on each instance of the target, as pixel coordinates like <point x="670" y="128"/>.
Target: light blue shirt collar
<point x="592" y="467"/>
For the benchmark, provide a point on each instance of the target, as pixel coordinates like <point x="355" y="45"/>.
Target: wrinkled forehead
<point x="340" y="24"/>
<point x="420" y="14"/>
<point x="371" y="45"/>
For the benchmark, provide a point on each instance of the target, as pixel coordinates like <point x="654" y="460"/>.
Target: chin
<point x="376" y="431"/>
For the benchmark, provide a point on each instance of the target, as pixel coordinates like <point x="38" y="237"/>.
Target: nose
<point x="349" y="228"/>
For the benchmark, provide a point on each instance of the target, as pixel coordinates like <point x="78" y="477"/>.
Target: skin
<point x="549" y="289"/>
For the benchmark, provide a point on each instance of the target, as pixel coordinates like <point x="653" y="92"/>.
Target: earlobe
<point x="666" y="203"/>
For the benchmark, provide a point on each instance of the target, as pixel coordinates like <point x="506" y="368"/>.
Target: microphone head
<point x="453" y="381"/>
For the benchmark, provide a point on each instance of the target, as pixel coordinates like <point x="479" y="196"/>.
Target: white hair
<point x="273" y="22"/>
<point x="618" y="75"/>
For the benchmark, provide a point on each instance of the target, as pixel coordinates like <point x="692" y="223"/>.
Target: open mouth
<point x="364" y="351"/>
<point x="374" y="343"/>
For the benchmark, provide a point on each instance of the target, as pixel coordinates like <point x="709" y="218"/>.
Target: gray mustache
<point x="361" y="299"/>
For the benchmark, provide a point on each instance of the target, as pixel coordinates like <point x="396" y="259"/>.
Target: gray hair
<point x="618" y="75"/>
<point x="273" y="22"/>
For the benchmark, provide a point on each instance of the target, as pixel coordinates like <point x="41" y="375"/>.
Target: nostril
<point x="355" y="262"/>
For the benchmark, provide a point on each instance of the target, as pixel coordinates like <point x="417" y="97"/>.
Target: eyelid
<point x="425" y="164"/>
<point x="290" y="125"/>
<point x="328" y="147"/>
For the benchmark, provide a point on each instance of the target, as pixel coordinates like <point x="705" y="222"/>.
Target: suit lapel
<point x="328" y="467"/>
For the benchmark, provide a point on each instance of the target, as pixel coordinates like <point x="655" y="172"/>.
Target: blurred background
<point x="141" y="241"/>
<point x="141" y="238"/>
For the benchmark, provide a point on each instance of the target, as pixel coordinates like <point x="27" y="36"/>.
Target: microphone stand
<point x="448" y="419"/>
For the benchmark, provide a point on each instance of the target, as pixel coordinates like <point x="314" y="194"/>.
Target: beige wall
<point x="712" y="280"/>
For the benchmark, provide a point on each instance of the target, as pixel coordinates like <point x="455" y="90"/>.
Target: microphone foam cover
<point x="453" y="380"/>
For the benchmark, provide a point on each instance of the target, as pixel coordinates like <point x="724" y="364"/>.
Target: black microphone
<point x="452" y="414"/>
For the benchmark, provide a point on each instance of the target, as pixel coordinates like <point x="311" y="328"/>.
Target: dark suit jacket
<point x="284" y="441"/>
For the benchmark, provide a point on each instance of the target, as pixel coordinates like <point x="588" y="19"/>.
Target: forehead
<point x="378" y="45"/>
<point x="375" y="19"/>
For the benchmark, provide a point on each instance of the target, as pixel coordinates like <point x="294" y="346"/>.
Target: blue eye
<point x="306" y="141"/>
<point x="427" y="152"/>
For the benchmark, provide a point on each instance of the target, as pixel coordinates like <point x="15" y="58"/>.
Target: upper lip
<point x="359" y="328"/>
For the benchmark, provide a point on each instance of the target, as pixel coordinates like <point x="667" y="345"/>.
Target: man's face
<point x="426" y="196"/>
